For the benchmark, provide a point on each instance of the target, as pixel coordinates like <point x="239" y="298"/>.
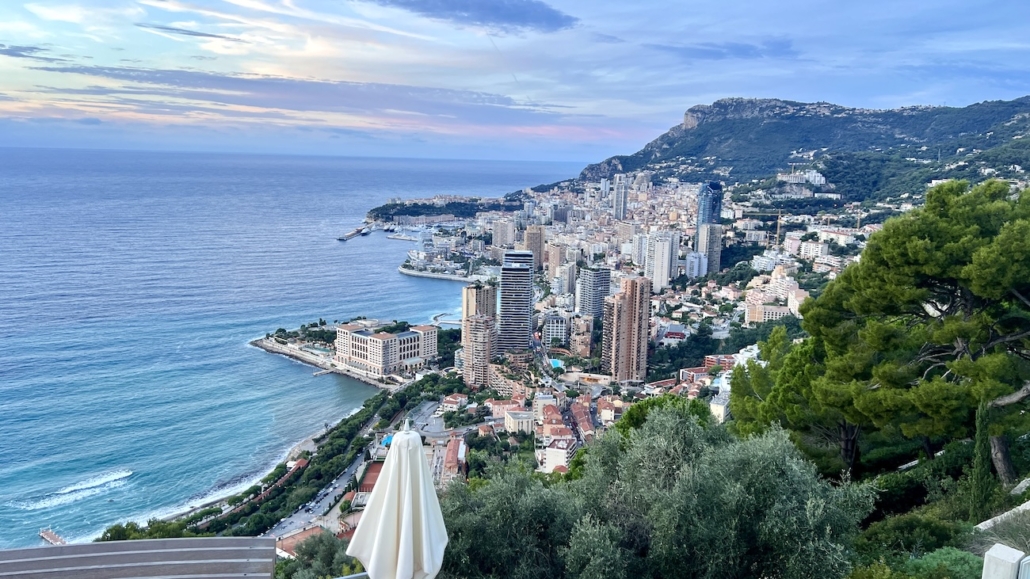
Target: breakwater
<point x="325" y="363"/>
<point x="446" y="276"/>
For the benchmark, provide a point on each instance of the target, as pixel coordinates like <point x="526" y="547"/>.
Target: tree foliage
<point x="674" y="498"/>
<point x="322" y="555"/>
<point x="935" y="317"/>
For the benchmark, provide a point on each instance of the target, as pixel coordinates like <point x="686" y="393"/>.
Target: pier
<point x="51" y="537"/>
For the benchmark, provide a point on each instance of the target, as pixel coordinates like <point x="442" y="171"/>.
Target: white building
<point x="697" y="264"/>
<point x="382" y="353"/>
<point x="556" y="327"/>
<point x="813" y="249"/>
<point x="662" y="256"/>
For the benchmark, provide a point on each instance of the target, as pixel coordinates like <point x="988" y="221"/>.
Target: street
<point x="302" y="517"/>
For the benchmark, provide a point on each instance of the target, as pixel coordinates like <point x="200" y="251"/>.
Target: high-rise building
<point x="504" y="233"/>
<point x="592" y="287"/>
<point x="516" y="316"/>
<point x="709" y="203"/>
<point x="556" y="327"/>
<point x="605" y="188"/>
<point x="567" y="279"/>
<point x="535" y="236"/>
<point x="627" y="331"/>
<point x="478" y="299"/>
<point x="709" y="242"/>
<point x="479" y="337"/>
<point x="640" y="249"/>
<point x="555" y="258"/>
<point x="662" y="258"/>
<point x="619" y="201"/>
<point x="626" y="231"/>
<point x="697" y="264"/>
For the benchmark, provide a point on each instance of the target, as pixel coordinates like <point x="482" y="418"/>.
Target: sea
<point x="130" y="286"/>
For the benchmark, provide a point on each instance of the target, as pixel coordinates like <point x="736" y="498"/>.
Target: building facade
<point x="592" y="287"/>
<point x="627" y="331"/>
<point x="479" y="339"/>
<point x="709" y="203"/>
<point x="709" y="242"/>
<point x="535" y="237"/>
<point x="382" y="353"/>
<point x="619" y="201"/>
<point x="516" y="316"/>
<point x="662" y="258"/>
<point x="478" y="299"/>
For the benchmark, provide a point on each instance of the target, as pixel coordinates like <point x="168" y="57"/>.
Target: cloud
<point x="31" y="52"/>
<point x="607" y="38"/>
<point x="506" y="15"/>
<point x="199" y="57"/>
<point x="184" y="32"/>
<point x="376" y="101"/>
<point x="778" y="48"/>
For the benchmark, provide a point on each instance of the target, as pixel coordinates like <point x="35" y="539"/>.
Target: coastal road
<point x="301" y="518"/>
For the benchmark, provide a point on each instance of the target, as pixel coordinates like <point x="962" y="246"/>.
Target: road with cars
<point x="308" y="514"/>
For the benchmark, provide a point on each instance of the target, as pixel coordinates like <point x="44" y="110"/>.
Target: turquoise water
<point x="130" y="284"/>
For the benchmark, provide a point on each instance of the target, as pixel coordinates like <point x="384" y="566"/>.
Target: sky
<point x="562" y="80"/>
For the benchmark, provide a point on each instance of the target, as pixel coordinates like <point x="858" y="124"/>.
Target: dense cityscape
<point x="514" y="289"/>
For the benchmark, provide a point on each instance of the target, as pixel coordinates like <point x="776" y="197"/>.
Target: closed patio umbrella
<point x="401" y="534"/>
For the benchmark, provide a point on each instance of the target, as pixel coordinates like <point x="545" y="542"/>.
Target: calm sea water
<point x="130" y="284"/>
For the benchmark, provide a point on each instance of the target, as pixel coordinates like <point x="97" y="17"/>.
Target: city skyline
<point x="520" y="79"/>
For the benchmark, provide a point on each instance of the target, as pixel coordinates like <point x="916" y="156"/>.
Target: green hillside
<point x="865" y="153"/>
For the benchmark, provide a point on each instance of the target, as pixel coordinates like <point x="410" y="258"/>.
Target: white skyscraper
<point x="639" y="254"/>
<point x="662" y="257"/>
<point x="592" y="287"/>
<point x="516" y="318"/>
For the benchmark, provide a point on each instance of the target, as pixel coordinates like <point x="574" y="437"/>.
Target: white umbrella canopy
<point x="401" y="534"/>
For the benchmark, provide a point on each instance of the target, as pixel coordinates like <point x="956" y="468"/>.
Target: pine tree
<point x="982" y="483"/>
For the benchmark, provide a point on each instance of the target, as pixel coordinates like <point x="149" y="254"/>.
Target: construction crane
<point x="779" y="218"/>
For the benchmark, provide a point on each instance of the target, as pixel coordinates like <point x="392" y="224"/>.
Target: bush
<point x="900" y="492"/>
<point x="946" y="563"/>
<point x="908" y="535"/>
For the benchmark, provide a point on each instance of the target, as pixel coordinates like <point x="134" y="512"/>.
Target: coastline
<point x="325" y="365"/>
<point x="443" y="276"/>
<point x="218" y="497"/>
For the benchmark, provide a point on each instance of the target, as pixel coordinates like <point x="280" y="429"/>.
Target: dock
<point x="322" y="372"/>
<point x="51" y="537"/>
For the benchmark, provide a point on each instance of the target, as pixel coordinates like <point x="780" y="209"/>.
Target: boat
<point x="366" y="231"/>
<point x="351" y="234"/>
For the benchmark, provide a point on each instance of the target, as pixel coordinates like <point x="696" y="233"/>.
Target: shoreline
<point x="219" y="499"/>
<point x="443" y="276"/>
<point x="323" y="364"/>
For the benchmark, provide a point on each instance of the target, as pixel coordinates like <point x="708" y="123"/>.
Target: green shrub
<point x="946" y="563"/>
<point x="908" y="535"/>
<point x="900" y="492"/>
<point x="877" y="570"/>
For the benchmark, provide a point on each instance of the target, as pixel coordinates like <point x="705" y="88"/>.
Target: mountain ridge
<point x="740" y="139"/>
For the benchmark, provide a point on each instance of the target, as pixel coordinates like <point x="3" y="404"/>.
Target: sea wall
<point x="445" y="276"/>
<point x="270" y="345"/>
